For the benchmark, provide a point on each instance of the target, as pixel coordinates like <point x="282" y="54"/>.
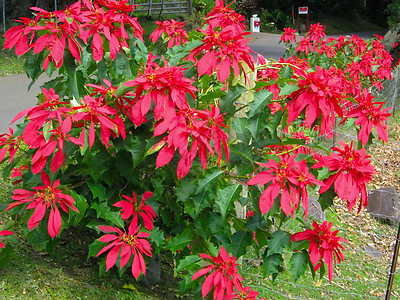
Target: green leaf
<point x="274" y="123"/>
<point x="226" y="196"/>
<point x="279" y="241"/>
<point x="157" y="236"/>
<point x="6" y="254"/>
<point x="81" y="205"/>
<point x="197" y="203"/>
<point x="298" y="264"/>
<point x="187" y="261"/>
<point x="98" y="190"/>
<point x="272" y="264"/>
<point x="287" y="89"/>
<point x="135" y="145"/>
<point x="229" y="99"/>
<point x="242" y="133"/>
<point x="186" y="187"/>
<point x="256" y="125"/>
<point x="240" y="240"/>
<point x="210" y="177"/>
<point x="326" y="199"/>
<point x="121" y="66"/>
<point x="95" y="248"/>
<point x="103" y="211"/>
<point x="181" y="240"/>
<point x="261" y="99"/>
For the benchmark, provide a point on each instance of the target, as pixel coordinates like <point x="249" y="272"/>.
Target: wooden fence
<point x="164" y="7"/>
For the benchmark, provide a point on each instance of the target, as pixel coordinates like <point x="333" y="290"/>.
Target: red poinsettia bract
<point x="289" y="179"/>
<point x="44" y="197"/>
<point x="353" y="171"/>
<point x="173" y="30"/>
<point x="324" y="245"/>
<point x="289" y="35"/>
<point x="124" y="245"/>
<point x="135" y="208"/>
<point x="10" y="144"/>
<point x="224" y="276"/>
<point x="369" y="114"/>
<point x="320" y="94"/>
<point x="4" y="233"/>
<point x="201" y="127"/>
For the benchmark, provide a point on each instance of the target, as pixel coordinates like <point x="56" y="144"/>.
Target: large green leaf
<point x="226" y="196"/>
<point x="287" y="89"/>
<point x="256" y="125"/>
<point x="261" y="99"/>
<point x="197" y="203"/>
<point x="240" y="240"/>
<point x="298" y="264"/>
<point x="98" y="190"/>
<point x="279" y="241"/>
<point x="209" y="178"/>
<point x="272" y="264"/>
<point x="103" y="211"/>
<point x="81" y="205"/>
<point x="326" y="199"/>
<point x="227" y="102"/>
<point x="188" y="261"/>
<point x="181" y="240"/>
<point x="95" y="248"/>
<point x="157" y="236"/>
<point x="242" y="133"/>
<point x="135" y="145"/>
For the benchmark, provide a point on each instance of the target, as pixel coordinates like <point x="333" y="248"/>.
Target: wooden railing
<point x="163" y="7"/>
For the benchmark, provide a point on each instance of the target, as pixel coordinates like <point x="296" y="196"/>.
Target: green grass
<point x="10" y="64"/>
<point x="360" y="276"/>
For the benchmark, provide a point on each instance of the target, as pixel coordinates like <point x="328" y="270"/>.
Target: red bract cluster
<point x="9" y="144"/>
<point x="320" y="94"/>
<point x="289" y="35"/>
<point x="44" y="197"/>
<point x="93" y="111"/>
<point x="224" y="276"/>
<point x="369" y="115"/>
<point x="4" y="233"/>
<point x="125" y="245"/>
<point x="135" y="208"/>
<point x="57" y="31"/>
<point x="353" y="171"/>
<point x="289" y="179"/>
<point x="174" y="31"/>
<point x="324" y="245"/>
<point x="202" y="127"/>
<point x="224" y="46"/>
<point x="165" y="86"/>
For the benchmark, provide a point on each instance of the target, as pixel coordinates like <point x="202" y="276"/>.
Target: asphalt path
<point x="14" y="94"/>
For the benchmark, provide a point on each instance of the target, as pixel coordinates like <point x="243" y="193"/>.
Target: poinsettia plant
<point x="200" y="126"/>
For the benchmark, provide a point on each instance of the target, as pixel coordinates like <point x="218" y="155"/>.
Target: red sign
<point x="303" y="10"/>
<point x="256" y="23"/>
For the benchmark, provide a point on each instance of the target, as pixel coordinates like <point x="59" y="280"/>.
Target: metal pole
<point x="55" y="4"/>
<point x="393" y="268"/>
<point x="4" y="15"/>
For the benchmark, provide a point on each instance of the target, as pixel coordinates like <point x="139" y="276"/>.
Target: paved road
<point x="14" y="97"/>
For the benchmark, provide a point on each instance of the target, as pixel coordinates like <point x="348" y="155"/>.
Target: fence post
<point x="190" y="7"/>
<point x="396" y="91"/>
<point x="393" y="268"/>
<point x="4" y="14"/>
